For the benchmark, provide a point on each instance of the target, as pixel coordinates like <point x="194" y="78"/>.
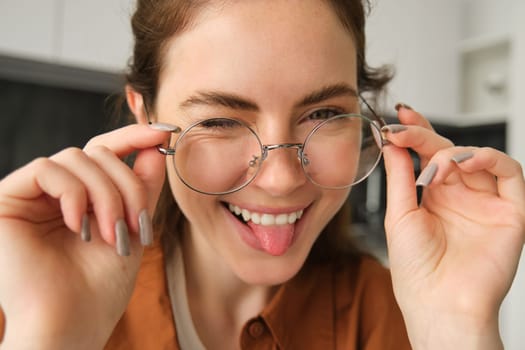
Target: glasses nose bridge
<point x="268" y="148"/>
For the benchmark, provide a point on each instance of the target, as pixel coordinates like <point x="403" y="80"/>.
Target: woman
<point x="232" y="90"/>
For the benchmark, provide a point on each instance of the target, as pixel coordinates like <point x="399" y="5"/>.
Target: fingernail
<point x="145" y="228"/>
<point x="427" y="175"/>
<point x="394" y="128"/>
<point x="402" y="105"/>
<point x="164" y="127"/>
<point x="85" y="232"/>
<point x="122" y="236"/>
<point x="461" y="157"/>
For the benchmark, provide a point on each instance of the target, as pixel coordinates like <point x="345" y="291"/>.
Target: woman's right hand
<point x="56" y="290"/>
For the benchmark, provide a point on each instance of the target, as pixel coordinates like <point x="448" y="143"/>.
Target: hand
<point x="453" y="257"/>
<point x="55" y="289"/>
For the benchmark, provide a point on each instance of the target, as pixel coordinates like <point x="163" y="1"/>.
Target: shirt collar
<point x="301" y="313"/>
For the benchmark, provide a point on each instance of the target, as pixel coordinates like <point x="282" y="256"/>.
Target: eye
<point x="219" y="123"/>
<point x="324" y="113"/>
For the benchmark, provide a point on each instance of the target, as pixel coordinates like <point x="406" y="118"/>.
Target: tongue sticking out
<point x="275" y="240"/>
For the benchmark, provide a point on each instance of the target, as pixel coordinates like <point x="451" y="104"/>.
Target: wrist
<point x="33" y="335"/>
<point x="453" y="332"/>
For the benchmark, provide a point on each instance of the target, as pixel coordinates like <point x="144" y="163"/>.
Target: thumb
<point x="401" y="188"/>
<point x="150" y="167"/>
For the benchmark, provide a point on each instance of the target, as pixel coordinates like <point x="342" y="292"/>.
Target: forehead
<point x="268" y="50"/>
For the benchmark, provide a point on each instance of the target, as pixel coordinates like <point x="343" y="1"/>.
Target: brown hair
<point x="155" y="22"/>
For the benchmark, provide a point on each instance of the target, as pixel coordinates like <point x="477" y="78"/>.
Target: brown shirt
<point x="343" y="306"/>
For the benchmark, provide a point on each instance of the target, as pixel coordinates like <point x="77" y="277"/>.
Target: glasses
<point x="219" y="156"/>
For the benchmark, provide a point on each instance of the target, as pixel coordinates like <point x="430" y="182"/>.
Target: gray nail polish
<point x="427" y="175"/>
<point x="164" y="127"/>
<point x="122" y="236"/>
<point x="394" y="128"/>
<point x="402" y="105"/>
<point x="461" y="157"/>
<point x="85" y="232"/>
<point x="145" y="228"/>
<point x="385" y="143"/>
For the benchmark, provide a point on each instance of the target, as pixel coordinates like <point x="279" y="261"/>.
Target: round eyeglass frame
<point x="378" y="123"/>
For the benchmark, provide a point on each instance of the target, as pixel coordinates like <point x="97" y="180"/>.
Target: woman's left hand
<point x="453" y="256"/>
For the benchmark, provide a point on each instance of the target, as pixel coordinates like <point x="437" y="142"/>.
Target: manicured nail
<point x="461" y="157"/>
<point x="145" y="228"/>
<point x="85" y="232"/>
<point x="164" y="127"/>
<point x="402" y="105"/>
<point x="427" y="175"/>
<point x="394" y="128"/>
<point x="122" y="236"/>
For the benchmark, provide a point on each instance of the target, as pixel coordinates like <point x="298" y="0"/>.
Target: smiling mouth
<point x="264" y="219"/>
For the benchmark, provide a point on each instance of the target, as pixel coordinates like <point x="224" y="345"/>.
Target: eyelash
<point x="314" y="115"/>
<point x="311" y="116"/>
<point x="220" y="123"/>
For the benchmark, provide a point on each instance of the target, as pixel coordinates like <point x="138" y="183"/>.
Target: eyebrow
<point x="233" y="101"/>
<point x="216" y="98"/>
<point x="327" y="92"/>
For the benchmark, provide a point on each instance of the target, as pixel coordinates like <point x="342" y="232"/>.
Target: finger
<point x="45" y="177"/>
<point x="509" y="172"/>
<point x="447" y="162"/>
<point x="423" y="141"/>
<point x="131" y="189"/>
<point x="408" y="116"/>
<point x="138" y="205"/>
<point x="401" y="190"/>
<point x="130" y="138"/>
<point x="149" y="164"/>
<point x="102" y="193"/>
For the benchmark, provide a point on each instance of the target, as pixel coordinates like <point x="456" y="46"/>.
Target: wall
<point x="90" y="34"/>
<point x="513" y="316"/>
<point x="420" y="38"/>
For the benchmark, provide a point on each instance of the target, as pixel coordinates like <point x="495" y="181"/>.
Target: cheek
<point x="331" y="202"/>
<point x="192" y="204"/>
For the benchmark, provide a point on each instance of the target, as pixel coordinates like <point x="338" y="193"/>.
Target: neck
<point x="220" y="302"/>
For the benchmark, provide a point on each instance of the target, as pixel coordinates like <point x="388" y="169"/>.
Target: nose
<point x="281" y="172"/>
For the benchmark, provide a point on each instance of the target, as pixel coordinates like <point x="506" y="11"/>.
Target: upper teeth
<point x="266" y="219"/>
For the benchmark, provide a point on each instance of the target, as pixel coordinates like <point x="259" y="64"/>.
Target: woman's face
<point x="269" y="64"/>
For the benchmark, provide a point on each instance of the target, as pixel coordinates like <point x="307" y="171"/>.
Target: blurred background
<point x="459" y="62"/>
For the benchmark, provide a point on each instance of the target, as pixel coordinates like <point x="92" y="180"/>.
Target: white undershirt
<point x="186" y="333"/>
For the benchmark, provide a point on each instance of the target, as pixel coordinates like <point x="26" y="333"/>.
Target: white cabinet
<point x="485" y="52"/>
<point x="93" y="34"/>
<point x="29" y="28"/>
<point x="485" y="76"/>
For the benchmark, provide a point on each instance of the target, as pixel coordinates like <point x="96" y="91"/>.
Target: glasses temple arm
<point x="379" y="119"/>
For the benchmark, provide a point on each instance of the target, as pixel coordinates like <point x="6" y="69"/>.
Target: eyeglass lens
<point x="221" y="155"/>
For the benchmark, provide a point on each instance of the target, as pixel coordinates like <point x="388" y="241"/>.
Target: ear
<point x="136" y="105"/>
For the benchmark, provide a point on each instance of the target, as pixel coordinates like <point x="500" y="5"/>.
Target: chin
<point x="270" y="270"/>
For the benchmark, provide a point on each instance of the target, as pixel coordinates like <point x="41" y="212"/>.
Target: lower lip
<point x="249" y="238"/>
